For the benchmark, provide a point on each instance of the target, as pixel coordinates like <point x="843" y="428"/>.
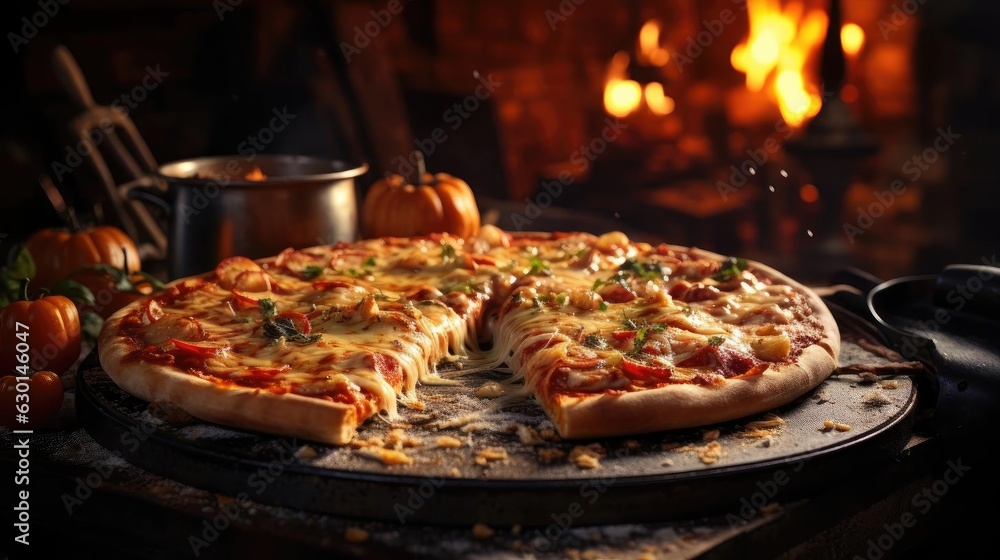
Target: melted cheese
<point x="421" y="302"/>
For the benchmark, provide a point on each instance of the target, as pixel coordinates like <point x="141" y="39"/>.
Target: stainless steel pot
<point x="216" y="212"/>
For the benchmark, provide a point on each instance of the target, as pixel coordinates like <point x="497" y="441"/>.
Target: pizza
<point x="610" y="336"/>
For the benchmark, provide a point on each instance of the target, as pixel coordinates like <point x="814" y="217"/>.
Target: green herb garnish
<point x="639" y="341"/>
<point x="447" y="252"/>
<point x="268" y="308"/>
<point x="370" y="261"/>
<point x="603" y="306"/>
<point x="312" y="271"/>
<point x="561" y="299"/>
<point x="283" y="327"/>
<point x="647" y="271"/>
<point x="594" y="341"/>
<point x="731" y="268"/>
<point x="539" y="267"/>
<point x="716" y="340"/>
<point x="517" y="298"/>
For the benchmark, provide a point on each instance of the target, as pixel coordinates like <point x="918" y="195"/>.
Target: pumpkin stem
<point x="125" y="260"/>
<point x="421" y="167"/>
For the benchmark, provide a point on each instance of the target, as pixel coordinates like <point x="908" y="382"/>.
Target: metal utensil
<point x="216" y="212"/>
<point x="949" y="322"/>
<point x="100" y="126"/>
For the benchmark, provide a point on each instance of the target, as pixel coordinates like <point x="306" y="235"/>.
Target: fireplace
<point x="666" y="118"/>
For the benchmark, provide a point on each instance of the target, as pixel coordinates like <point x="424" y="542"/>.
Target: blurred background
<point x="810" y="135"/>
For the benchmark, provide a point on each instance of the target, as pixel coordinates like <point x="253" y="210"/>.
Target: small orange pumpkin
<point x="58" y="253"/>
<point x="437" y="203"/>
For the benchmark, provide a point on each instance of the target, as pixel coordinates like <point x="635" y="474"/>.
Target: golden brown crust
<point x="253" y="409"/>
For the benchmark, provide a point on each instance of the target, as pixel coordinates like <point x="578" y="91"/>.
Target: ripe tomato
<point x="47" y="329"/>
<point x="38" y="404"/>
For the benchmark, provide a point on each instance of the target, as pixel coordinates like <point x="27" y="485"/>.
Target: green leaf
<point x="561" y="299"/>
<point x="597" y="284"/>
<point x="716" y="340"/>
<point x="283" y="327"/>
<point x="90" y="325"/>
<point x="603" y="306"/>
<point x="370" y="261"/>
<point x="311" y="272"/>
<point x="647" y="271"/>
<point x="594" y="341"/>
<point x="539" y="267"/>
<point x="20" y="265"/>
<point x="75" y="291"/>
<point x="447" y="252"/>
<point x="656" y="327"/>
<point x="731" y="268"/>
<point x="268" y="308"/>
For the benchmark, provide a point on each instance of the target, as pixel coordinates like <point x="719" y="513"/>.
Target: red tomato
<point x="640" y="371"/>
<point x="300" y="321"/>
<point x="39" y="403"/>
<point x="196" y="349"/>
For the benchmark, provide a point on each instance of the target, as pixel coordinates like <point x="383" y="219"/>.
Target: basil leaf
<point x="268" y="309"/>
<point x="75" y="291"/>
<point x="311" y="272"/>
<point x="731" y="268"/>
<point x="283" y="327"/>
<point x="594" y="341"/>
<point x="539" y="267"/>
<point x="20" y="264"/>
<point x="716" y="340"/>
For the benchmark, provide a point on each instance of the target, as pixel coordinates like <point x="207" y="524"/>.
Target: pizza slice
<point x="626" y="338"/>
<point x="304" y="344"/>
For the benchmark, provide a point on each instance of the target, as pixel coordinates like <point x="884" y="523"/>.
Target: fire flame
<point x="623" y="96"/>
<point x="781" y="42"/>
<point x="255" y="174"/>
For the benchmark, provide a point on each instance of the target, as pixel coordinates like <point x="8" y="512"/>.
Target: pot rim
<point x="170" y="172"/>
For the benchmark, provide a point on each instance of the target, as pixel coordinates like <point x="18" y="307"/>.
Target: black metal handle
<point x="970" y="288"/>
<point x="150" y="195"/>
